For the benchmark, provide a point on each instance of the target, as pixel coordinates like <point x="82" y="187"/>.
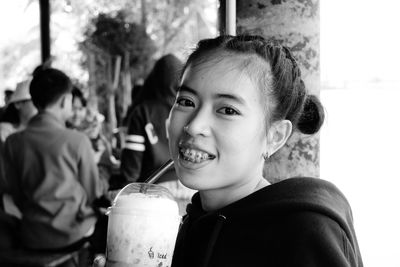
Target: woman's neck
<point x="218" y="198"/>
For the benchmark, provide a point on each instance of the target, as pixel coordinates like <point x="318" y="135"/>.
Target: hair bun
<point x="312" y="117"/>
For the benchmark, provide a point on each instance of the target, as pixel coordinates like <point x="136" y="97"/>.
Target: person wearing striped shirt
<point x="146" y="144"/>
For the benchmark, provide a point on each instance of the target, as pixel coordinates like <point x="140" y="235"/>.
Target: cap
<point x="21" y="93"/>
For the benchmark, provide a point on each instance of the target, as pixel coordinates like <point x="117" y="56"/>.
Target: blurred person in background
<point x="118" y="137"/>
<point x="146" y="146"/>
<point x="19" y="111"/>
<point x="90" y="122"/>
<point x="7" y="95"/>
<point x="136" y="92"/>
<point x="9" y="122"/>
<point x="51" y="173"/>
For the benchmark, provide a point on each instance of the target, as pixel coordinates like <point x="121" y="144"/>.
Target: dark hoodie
<point x="297" y="222"/>
<point x="146" y="144"/>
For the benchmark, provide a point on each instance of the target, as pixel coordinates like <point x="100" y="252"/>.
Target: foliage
<point x="173" y="25"/>
<point x="113" y="35"/>
<point x="107" y="36"/>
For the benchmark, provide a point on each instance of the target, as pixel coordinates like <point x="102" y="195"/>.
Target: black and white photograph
<point x="199" y="133"/>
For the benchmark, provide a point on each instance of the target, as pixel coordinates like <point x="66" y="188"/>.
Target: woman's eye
<point x="185" y="102"/>
<point x="228" y="111"/>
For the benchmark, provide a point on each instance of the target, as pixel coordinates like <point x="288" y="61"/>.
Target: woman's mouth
<point x="194" y="155"/>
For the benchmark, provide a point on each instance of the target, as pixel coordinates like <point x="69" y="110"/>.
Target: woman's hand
<point x="99" y="261"/>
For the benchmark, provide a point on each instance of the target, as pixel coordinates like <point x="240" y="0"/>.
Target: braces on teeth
<point x="194" y="156"/>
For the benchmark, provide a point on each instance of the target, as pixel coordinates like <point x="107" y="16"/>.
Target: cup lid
<point x="146" y="197"/>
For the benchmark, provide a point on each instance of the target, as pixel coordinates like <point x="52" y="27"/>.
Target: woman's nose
<point x="199" y="124"/>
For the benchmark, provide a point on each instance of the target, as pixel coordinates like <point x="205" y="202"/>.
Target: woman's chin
<point x="190" y="180"/>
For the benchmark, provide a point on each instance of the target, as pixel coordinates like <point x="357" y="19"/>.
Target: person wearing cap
<point x="23" y="103"/>
<point x="20" y="110"/>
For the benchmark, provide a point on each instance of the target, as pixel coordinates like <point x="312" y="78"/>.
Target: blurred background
<point x="360" y="143"/>
<point x="360" y="84"/>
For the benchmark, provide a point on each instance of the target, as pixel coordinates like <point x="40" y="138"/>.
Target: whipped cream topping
<point x="148" y="203"/>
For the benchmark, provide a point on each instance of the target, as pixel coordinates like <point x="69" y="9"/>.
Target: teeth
<point x="194" y="155"/>
<point x="198" y="157"/>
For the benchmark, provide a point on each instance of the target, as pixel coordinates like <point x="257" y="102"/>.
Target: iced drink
<point x="142" y="227"/>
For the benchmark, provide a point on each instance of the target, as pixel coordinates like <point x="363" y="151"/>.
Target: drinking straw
<point x="155" y="176"/>
<point x="160" y="171"/>
<point x="113" y="195"/>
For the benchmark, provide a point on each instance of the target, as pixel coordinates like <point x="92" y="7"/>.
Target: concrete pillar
<point x="296" y="24"/>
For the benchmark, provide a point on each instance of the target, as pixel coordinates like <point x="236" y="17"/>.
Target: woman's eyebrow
<point x="185" y="88"/>
<point x="235" y="98"/>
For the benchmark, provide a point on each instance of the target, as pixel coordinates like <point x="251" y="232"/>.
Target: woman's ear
<point x="278" y="134"/>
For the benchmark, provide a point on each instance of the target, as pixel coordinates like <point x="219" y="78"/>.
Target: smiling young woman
<point x="239" y="100"/>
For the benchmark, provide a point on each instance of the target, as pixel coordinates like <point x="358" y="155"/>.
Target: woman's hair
<point x="260" y="59"/>
<point x="163" y="80"/>
<point x="48" y="85"/>
<point x="77" y="93"/>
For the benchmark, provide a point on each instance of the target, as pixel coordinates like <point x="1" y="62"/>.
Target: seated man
<point x="50" y="170"/>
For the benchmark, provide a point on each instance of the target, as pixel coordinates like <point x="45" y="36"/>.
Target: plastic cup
<point x="142" y="227"/>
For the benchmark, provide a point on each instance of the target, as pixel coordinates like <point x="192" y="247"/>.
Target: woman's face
<point x="78" y="111"/>
<point x="225" y="137"/>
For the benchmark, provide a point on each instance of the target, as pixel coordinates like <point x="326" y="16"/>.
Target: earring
<point x="186" y="128"/>
<point x="265" y="156"/>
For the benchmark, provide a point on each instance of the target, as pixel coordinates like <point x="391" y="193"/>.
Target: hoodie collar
<point x="288" y="195"/>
